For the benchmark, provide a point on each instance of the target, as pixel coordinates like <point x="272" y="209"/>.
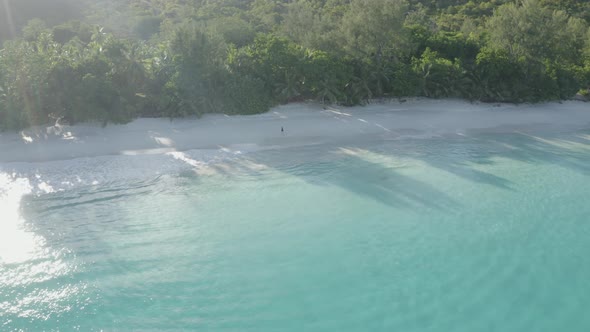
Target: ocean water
<point x="478" y="232"/>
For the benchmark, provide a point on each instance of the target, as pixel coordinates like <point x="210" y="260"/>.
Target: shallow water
<point x="480" y="232"/>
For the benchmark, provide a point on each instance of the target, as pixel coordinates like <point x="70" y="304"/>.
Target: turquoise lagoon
<point x="477" y="232"/>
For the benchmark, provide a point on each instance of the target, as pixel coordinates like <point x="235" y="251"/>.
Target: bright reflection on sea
<point x="26" y="262"/>
<point x="16" y="244"/>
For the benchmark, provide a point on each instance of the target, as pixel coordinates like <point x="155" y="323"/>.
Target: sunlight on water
<point x="26" y="261"/>
<point x="563" y="143"/>
<point x="474" y="233"/>
<point x="369" y="156"/>
<point x="16" y="244"/>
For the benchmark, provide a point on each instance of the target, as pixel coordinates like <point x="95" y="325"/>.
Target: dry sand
<point x="303" y="124"/>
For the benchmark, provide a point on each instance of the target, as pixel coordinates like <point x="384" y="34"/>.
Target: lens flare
<point x="8" y="17"/>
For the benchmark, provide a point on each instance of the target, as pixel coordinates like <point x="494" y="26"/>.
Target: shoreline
<point x="304" y="123"/>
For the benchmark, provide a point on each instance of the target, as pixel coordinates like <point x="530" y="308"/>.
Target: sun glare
<point x="8" y="17"/>
<point x="16" y="244"/>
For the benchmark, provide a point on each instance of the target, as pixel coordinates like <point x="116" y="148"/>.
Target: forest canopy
<point x="114" y="60"/>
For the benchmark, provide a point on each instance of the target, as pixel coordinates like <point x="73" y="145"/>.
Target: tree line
<point x="167" y="58"/>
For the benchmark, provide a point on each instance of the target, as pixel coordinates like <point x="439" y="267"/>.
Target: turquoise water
<point x="487" y="232"/>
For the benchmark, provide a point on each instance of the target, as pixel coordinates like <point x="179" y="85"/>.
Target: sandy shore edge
<point x="303" y="123"/>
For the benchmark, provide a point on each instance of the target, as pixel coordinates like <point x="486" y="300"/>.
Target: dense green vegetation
<point x="111" y="61"/>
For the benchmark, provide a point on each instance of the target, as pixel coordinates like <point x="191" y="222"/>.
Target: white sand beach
<point x="303" y="123"/>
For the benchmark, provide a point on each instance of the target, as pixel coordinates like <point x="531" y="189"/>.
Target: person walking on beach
<point x="282" y="130"/>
